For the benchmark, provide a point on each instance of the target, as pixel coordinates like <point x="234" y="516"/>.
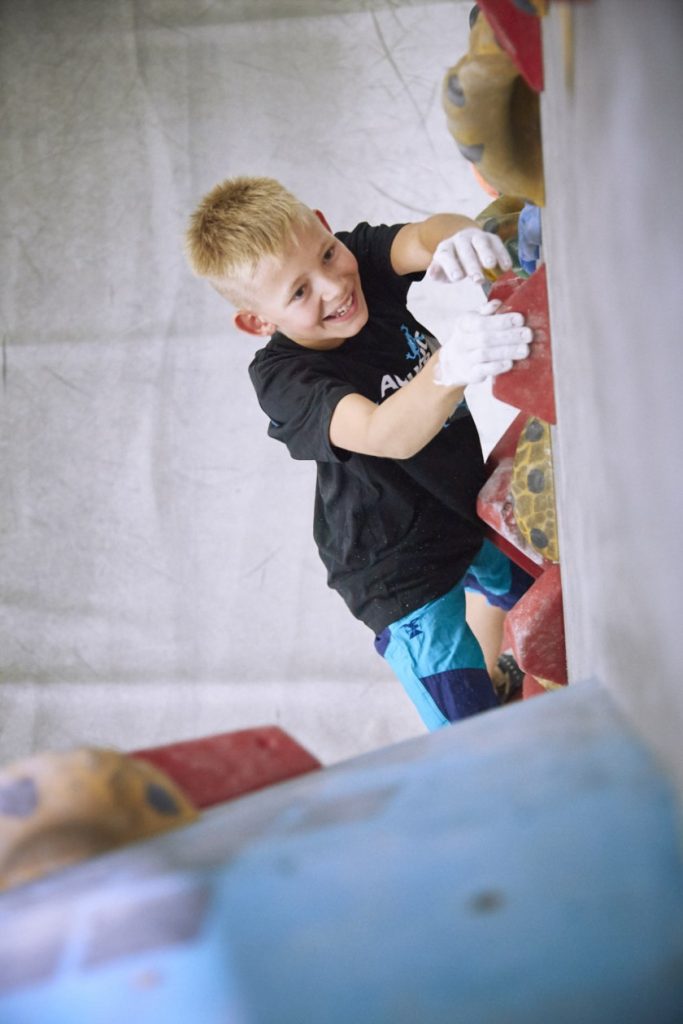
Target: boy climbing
<point x="350" y="380"/>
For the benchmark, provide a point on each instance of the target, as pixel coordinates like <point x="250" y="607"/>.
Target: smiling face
<point x="311" y="293"/>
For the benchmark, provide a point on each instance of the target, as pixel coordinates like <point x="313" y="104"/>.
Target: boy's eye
<point x="299" y="293"/>
<point x="328" y="254"/>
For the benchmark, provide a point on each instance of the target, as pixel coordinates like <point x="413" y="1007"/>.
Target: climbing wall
<point x="491" y="99"/>
<point x="518" y="866"/>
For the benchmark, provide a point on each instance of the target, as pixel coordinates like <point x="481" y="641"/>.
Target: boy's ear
<point x="321" y="217"/>
<point x="252" y="323"/>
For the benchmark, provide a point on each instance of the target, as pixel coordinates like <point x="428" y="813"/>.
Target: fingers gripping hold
<point x="484" y="371"/>
<point x="445" y="266"/>
<point x="467" y="254"/>
<point x="491" y="251"/>
<point x="482" y="345"/>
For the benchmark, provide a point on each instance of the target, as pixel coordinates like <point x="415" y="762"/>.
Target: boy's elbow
<point x="406" y="452"/>
<point x="397" y="448"/>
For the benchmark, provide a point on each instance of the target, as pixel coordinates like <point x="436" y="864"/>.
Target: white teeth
<point x="342" y="310"/>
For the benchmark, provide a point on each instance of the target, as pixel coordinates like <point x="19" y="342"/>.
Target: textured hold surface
<point x="501" y="217"/>
<point x="532" y="489"/>
<point x="213" y="769"/>
<point x="495" y="508"/>
<point x="529" y="384"/>
<point x="473" y="153"/>
<point x="518" y="30"/>
<point x="535" y="687"/>
<point x="493" y="115"/>
<point x="58" y="808"/>
<point x="534" y="630"/>
<point x="455" y="93"/>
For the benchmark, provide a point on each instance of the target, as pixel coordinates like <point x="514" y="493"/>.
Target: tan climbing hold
<point x="57" y="808"/>
<point x="494" y="117"/>
<point x="533" y="489"/>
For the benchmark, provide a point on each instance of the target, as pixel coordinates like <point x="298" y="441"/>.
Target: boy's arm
<point x="403" y="424"/>
<point x="450" y="246"/>
<point x="414" y="245"/>
<point x="482" y="345"/>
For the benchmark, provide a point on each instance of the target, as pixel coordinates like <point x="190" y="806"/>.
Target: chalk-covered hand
<point x="466" y="254"/>
<point x="482" y="345"/>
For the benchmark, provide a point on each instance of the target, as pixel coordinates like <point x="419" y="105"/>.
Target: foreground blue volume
<point x="522" y="866"/>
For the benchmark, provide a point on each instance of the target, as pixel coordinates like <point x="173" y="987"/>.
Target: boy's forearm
<point x="415" y="414"/>
<point x="403" y="424"/>
<point x="435" y="229"/>
<point x="414" y="245"/>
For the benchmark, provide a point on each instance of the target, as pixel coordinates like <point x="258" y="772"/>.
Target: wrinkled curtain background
<point x="159" y="577"/>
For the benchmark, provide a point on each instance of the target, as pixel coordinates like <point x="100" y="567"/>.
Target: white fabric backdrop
<point x="159" y="576"/>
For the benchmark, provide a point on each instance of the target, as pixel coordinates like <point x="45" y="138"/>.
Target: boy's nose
<point x="332" y="289"/>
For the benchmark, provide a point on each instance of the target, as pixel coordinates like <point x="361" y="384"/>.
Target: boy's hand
<point x="467" y="254"/>
<point x="482" y="345"/>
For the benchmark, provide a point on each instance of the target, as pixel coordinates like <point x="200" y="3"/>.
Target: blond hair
<point x="235" y="226"/>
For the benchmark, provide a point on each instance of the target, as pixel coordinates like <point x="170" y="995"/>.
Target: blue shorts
<point x="434" y="652"/>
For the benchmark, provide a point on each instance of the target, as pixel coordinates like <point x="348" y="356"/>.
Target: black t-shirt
<point x="393" y="534"/>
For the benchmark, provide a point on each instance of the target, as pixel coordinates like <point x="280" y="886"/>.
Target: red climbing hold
<point x="529" y="384"/>
<point x="534" y="630"/>
<point x="519" y="34"/>
<point x="217" y="768"/>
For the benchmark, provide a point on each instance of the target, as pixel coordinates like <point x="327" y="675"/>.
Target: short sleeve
<point x="299" y="395"/>
<point x="371" y="244"/>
